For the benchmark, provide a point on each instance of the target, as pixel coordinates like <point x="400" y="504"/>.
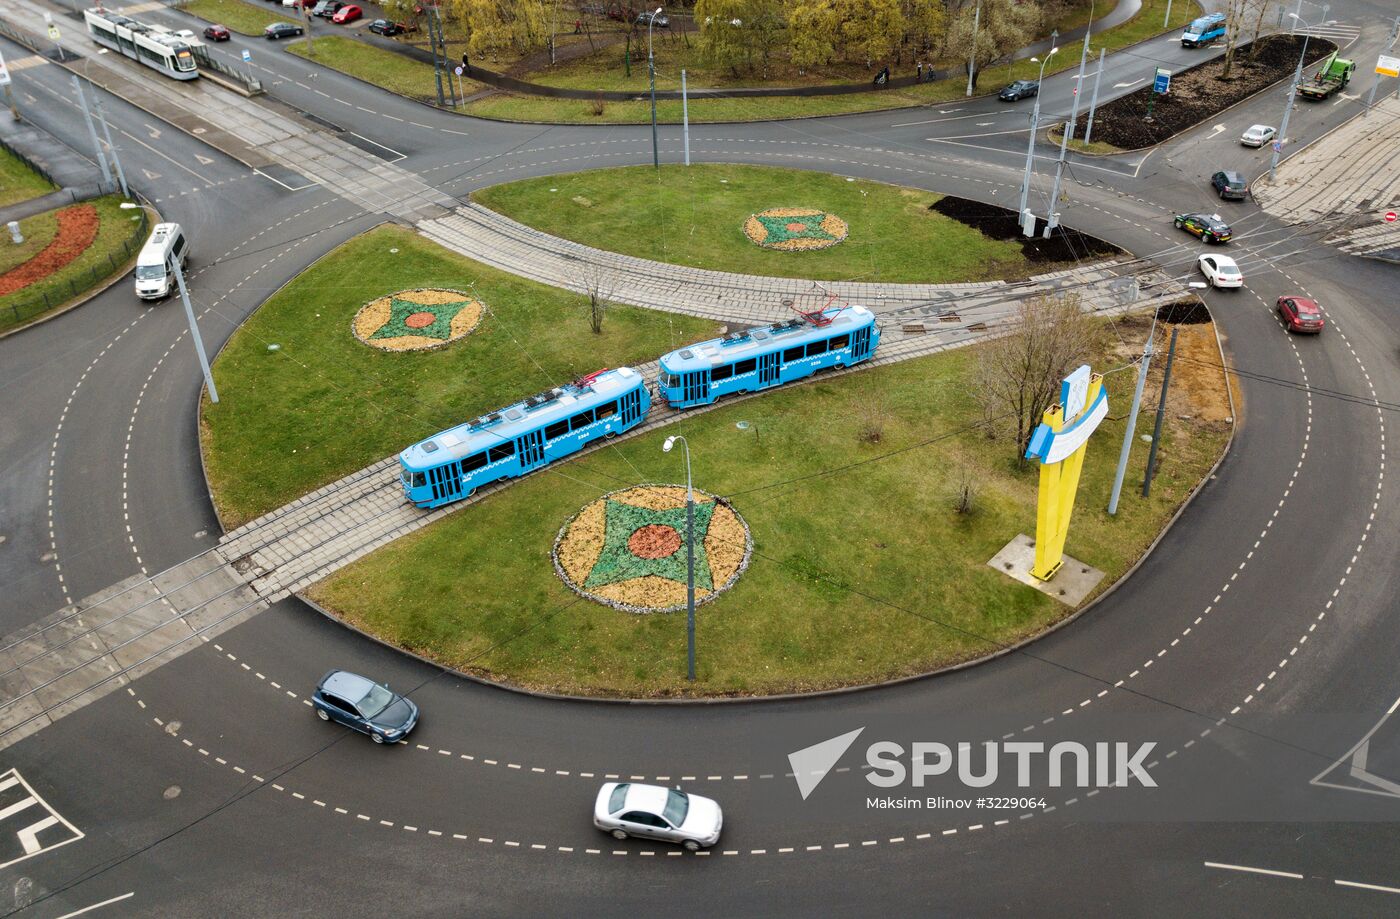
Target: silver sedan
<point x="651" y="811"/>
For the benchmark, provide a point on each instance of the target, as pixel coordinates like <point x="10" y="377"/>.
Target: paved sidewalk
<point x="1349" y="178"/>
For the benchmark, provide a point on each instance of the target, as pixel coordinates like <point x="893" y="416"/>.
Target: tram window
<point x="816" y="347"/>
<point x="475" y="461"/>
<point x="606" y="411"/>
<point x="501" y="451"/>
<point x="581" y="420"/>
<point x="722" y="372"/>
<point x="839" y="342"/>
<point x="417" y="480"/>
<point x="745" y="366"/>
<point x="557" y="429"/>
<point x="792" y="354"/>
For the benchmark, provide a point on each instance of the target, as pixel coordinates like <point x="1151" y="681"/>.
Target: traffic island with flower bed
<point x="861" y="565"/>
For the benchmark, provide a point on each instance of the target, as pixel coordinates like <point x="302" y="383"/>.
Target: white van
<point x="155" y="277"/>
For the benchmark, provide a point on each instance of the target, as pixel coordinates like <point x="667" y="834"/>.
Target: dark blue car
<point x="360" y="703"/>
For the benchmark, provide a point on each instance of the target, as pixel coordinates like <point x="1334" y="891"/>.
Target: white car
<point x="631" y="809"/>
<point x="1221" y="271"/>
<point x="1258" y="135"/>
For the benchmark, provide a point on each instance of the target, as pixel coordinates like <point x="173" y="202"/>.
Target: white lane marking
<point x="1382" y="888"/>
<point x="88" y="909"/>
<point x="1247" y="868"/>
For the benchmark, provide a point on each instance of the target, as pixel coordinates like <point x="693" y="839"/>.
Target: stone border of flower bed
<point x="581" y="573"/>
<point x="387" y="312"/>
<point x="833" y="228"/>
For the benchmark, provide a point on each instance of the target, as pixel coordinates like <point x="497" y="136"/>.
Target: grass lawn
<point x="393" y="72"/>
<point x="18" y="182"/>
<point x="695" y="216"/>
<point x="1054" y="136"/>
<point x="245" y="18"/>
<point x="1147" y="23"/>
<point x="325" y="405"/>
<point x="863" y="574"/>
<point x="118" y="239"/>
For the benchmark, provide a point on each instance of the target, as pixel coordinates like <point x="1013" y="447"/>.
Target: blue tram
<point x="514" y="440"/>
<point x="767" y="356"/>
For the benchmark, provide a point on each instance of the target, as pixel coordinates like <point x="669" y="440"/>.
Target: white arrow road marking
<point x="983" y="124"/>
<point x="1215" y="130"/>
<point x="151" y="175"/>
<point x="1133" y="83"/>
<point x="154" y="132"/>
<point x="204" y="160"/>
<point x="948" y="111"/>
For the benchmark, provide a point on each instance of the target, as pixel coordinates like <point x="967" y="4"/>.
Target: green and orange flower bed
<point x="77" y="228"/>
<point x="795" y="229"/>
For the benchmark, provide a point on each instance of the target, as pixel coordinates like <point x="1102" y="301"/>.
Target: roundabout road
<point x="1255" y="646"/>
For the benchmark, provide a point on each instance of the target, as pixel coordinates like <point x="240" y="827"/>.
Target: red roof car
<point x="347" y="14"/>
<point x="1300" y="314"/>
<point x="216" y="33"/>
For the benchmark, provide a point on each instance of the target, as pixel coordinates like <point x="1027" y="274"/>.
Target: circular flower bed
<point x="627" y="549"/>
<point x="795" y="229"/>
<point x="77" y="228"/>
<point x="417" y="320"/>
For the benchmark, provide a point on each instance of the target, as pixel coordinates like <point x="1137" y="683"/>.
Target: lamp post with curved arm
<point x="189" y="310"/>
<point x="1293" y="89"/>
<point x="1030" y="144"/>
<point x="689" y="557"/>
<point x="651" y="68"/>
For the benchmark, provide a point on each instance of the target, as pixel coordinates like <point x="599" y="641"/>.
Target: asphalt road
<point x="209" y="788"/>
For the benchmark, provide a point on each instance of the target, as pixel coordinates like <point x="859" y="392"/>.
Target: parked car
<point x="621" y="12"/>
<point x="1021" y="89"/>
<point x="282" y="30"/>
<point x="364" y="705"/>
<point x="298" y="4"/>
<point x="657" y="20"/>
<point x="216" y="33"/>
<point x="1221" y="271"/>
<point x="385" y="27"/>
<point x="1258" y="135"/>
<point x="1300" y="314"/>
<point x="651" y="811"/>
<point x="348" y="13"/>
<point x="1230" y="184"/>
<point x="1209" y="227"/>
<point x="325" y="9"/>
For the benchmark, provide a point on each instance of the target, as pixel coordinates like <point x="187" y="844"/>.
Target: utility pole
<point x="1292" y="92"/>
<point x="1094" y="100"/>
<point x="689" y="556"/>
<point x="972" y="58"/>
<point x="111" y="147"/>
<point x="651" y="70"/>
<point x="1167" y="18"/>
<point x="437" y="64"/>
<point x="1161" y="410"/>
<point x="92" y="133"/>
<point x="1028" y="225"/>
<point x="1053" y="219"/>
<point x="1132" y="421"/>
<point x="685" y="118"/>
<point x="1370" y="99"/>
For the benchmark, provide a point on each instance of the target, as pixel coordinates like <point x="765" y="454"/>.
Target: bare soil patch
<point x="1064" y="244"/>
<point x="1199" y="92"/>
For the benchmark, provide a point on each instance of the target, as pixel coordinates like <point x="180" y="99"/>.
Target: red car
<point x="347" y="14"/>
<point x="216" y="33"/>
<point x="1300" y="314"/>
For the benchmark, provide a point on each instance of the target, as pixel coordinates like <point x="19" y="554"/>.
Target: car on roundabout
<point x="1230" y="185"/>
<point x="656" y="812"/>
<point x="1300" y="314"/>
<point x="1258" y="135"/>
<point x="1210" y="227"/>
<point x="364" y="705"/>
<point x="1018" y="90"/>
<point x="1220" y="270"/>
<point x="217" y="33"/>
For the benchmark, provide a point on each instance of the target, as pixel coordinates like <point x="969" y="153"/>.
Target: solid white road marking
<point x="1247" y="868"/>
<point x="88" y="909"/>
<point x="1362" y="886"/>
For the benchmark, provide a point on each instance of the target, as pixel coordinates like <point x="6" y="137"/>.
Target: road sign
<point x="4" y="73"/>
<point x="1390" y="216"/>
<point x="53" y="32"/>
<point x="1278" y="146"/>
<point x="247" y="56"/>
<point x="1162" y="82"/>
<point x="457" y="70"/>
<point x="1388" y="66"/>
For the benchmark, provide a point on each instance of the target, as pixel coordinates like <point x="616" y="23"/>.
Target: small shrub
<point x="597" y="107"/>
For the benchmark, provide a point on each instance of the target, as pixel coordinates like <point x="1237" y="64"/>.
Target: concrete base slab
<point x="1070" y="585"/>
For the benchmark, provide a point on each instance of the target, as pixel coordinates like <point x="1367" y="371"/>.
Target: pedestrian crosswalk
<point x="28" y="825"/>
<point x="1338" y="32"/>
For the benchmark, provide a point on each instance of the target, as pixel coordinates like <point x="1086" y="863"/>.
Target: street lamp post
<point x="1052" y="219"/>
<point x="1293" y="90"/>
<point x="972" y="57"/>
<point x="189" y="311"/>
<point x="651" y="68"/>
<point x="1029" y="228"/>
<point x="689" y="557"/>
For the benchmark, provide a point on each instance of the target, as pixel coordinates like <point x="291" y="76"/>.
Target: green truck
<point x="1335" y="73"/>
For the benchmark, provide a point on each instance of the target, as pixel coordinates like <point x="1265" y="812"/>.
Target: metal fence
<point x="12" y="314"/>
<point x="28" y="162"/>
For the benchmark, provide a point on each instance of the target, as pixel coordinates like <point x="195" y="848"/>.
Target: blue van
<point x="1204" y="30"/>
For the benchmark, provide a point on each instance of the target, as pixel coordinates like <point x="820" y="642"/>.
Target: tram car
<point x="154" y="46"/>
<point x="767" y="356"/>
<point x="512" y="441"/>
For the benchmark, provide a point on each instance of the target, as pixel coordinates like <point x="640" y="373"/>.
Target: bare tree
<point x="598" y="290"/>
<point x="965" y="490"/>
<point x="1019" y="372"/>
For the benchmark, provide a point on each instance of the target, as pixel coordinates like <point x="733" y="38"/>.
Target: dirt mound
<point x="1199" y="92"/>
<point x="1064" y="244"/>
<point x="1184" y="312"/>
